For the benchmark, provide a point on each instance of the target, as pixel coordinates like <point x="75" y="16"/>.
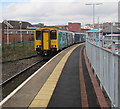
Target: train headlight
<point x="38" y="46"/>
<point x="53" y="46"/>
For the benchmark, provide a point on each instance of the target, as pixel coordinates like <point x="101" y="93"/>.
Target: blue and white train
<point x="47" y="40"/>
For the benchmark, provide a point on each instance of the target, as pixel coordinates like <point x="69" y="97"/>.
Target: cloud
<point x="61" y="12"/>
<point x="12" y="1"/>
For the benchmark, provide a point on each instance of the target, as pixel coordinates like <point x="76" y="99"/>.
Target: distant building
<point x="86" y="27"/>
<point x="39" y="25"/>
<point x="83" y="30"/>
<point x="65" y="27"/>
<point x="113" y="37"/>
<point x="111" y="30"/>
<point x="75" y="27"/>
<point x="16" y="24"/>
<point x="0" y="34"/>
<point x="16" y="31"/>
<point x="107" y="24"/>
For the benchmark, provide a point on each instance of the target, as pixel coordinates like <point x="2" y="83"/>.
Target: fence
<point x="15" y="40"/>
<point x="17" y="51"/>
<point x="106" y="66"/>
<point x="15" y="46"/>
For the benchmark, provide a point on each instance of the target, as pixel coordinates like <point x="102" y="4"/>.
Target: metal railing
<point x="106" y="65"/>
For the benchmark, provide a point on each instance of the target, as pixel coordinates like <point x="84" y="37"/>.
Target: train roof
<point x="52" y="27"/>
<point x="79" y="33"/>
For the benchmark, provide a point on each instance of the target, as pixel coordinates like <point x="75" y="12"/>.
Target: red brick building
<point x="16" y="31"/>
<point x="0" y="36"/>
<point x="75" y="27"/>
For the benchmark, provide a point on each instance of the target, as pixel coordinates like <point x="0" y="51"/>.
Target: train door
<point x="45" y="40"/>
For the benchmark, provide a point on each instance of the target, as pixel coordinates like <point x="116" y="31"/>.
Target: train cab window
<point x="53" y="34"/>
<point x="38" y="35"/>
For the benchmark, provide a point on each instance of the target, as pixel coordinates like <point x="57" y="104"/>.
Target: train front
<point x="46" y="41"/>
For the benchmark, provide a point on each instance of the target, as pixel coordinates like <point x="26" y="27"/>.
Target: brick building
<point x="20" y="31"/>
<point x="0" y="34"/>
<point x="16" y="31"/>
<point x="75" y="27"/>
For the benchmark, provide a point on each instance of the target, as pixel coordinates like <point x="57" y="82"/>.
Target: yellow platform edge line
<point x="43" y="97"/>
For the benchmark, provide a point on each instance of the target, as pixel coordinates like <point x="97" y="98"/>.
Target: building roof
<point x="17" y="24"/>
<point x="32" y="28"/>
<point x="108" y="29"/>
<point x="96" y="31"/>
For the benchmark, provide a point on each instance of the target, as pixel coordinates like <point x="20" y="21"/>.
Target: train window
<point x="38" y="35"/>
<point x="53" y="34"/>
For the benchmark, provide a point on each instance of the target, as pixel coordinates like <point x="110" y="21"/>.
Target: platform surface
<point x="65" y="81"/>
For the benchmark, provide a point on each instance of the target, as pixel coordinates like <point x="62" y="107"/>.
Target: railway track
<point x="20" y="59"/>
<point x="13" y="82"/>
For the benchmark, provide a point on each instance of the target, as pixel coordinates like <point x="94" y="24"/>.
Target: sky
<point x="59" y="12"/>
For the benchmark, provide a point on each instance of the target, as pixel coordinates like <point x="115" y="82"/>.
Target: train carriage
<point x="79" y="37"/>
<point x="48" y="40"/>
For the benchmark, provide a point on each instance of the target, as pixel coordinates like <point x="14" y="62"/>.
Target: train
<point x="79" y="37"/>
<point x="49" y="40"/>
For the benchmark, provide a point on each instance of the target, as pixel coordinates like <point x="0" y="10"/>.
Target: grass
<point x="17" y="51"/>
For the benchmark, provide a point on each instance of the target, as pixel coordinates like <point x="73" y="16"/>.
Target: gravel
<point x="11" y="68"/>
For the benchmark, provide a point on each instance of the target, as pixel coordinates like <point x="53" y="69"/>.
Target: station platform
<point x="66" y="80"/>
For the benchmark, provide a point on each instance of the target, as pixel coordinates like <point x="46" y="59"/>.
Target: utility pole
<point x="94" y="4"/>
<point x="20" y="31"/>
<point x="94" y="11"/>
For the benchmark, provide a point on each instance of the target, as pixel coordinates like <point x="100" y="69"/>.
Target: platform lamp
<point x="93" y="4"/>
<point x="93" y="11"/>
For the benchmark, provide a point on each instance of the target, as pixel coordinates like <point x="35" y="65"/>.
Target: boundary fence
<point x="14" y="46"/>
<point x="106" y="65"/>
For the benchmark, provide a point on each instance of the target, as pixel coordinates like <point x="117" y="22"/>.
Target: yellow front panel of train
<point x="45" y="41"/>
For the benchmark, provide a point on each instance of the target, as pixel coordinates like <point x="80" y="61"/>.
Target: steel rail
<point x="17" y="74"/>
<point x="20" y="59"/>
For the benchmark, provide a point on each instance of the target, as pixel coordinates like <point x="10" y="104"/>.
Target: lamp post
<point x="93" y="4"/>
<point x="94" y="11"/>
<point x="20" y="31"/>
<point x="7" y="34"/>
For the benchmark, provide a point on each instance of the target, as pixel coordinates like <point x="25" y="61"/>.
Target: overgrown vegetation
<point x="17" y="51"/>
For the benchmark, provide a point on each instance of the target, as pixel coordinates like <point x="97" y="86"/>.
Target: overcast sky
<point x="55" y="12"/>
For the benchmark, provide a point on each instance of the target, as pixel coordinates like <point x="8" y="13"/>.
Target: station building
<point x="17" y="31"/>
